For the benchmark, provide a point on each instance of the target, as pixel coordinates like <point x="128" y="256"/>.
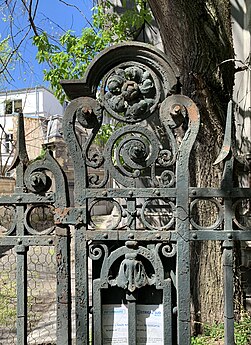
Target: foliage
<point x="104" y="133"/>
<point x="5" y="58"/>
<point x="215" y="333"/>
<point x="69" y="57"/>
<point x="7" y="301"/>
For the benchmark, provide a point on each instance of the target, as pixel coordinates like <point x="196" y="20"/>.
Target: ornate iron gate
<point x="140" y="255"/>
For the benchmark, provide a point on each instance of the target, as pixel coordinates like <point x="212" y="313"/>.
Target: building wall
<point x="241" y="19"/>
<point x="37" y="101"/>
<point x="34" y="135"/>
<point x="50" y="104"/>
<point x="38" y="106"/>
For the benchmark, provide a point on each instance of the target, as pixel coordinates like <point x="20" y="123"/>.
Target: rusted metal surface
<point x="27" y="220"/>
<point x="139" y="255"/>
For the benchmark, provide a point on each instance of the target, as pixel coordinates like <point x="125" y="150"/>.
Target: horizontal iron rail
<point x="26" y="198"/>
<point x="156" y="236"/>
<point x="165" y="192"/>
<point x="27" y="241"/>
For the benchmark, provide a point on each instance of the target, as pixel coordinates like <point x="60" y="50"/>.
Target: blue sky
<point x="53" y="16"/>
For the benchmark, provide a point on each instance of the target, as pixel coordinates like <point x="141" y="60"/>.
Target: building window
<point x="8" y="142"/>
<point x="13" y="106"/>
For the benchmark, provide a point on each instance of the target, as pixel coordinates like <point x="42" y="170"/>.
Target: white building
<point x="241" y="21"/>
<point x="39" y="106"/>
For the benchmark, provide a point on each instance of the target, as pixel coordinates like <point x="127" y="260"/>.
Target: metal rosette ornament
<point x="130" y="92"/>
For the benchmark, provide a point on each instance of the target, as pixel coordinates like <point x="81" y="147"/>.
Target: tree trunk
<point x="197" y="35"/>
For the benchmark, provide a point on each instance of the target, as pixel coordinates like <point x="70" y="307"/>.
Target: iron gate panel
<point x="139" y="257"/>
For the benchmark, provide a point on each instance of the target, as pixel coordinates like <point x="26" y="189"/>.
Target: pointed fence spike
<point x="227" y="143"/>
<point x="21" y="152"/>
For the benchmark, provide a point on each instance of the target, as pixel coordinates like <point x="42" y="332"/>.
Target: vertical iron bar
<point x="131" y="300"/>
<point x="167" y="311"/>
<point x="228" y="296"/>
<point x="21" y="278"/>
<point x="227" y="258"/>
<point x="19" y="162"/>
<point x="81" y="288"/>
<point x="63" y="286"/>
<point x="183" y="259"/>
<point x="132" y="319"/>
<point x="131" y="208"/>
<point x="183" y="292"/>
<point x="183" y="223"/>
<point x="97" y="313"/>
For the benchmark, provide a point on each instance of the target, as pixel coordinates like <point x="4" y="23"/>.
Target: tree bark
<point x="198" y="36"/>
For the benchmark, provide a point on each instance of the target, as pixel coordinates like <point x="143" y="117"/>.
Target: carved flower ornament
<point x="131" y="93"/>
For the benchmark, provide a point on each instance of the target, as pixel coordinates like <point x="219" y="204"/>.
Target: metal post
<point x="97" y="313"/>
<point x="132" y="319"/>
<point x="21" y="277"/>
<point x="228" y="295"/>
<point x="168" y="311"/>
<point x="81" y="288"/>
<point x="63" y="286"/>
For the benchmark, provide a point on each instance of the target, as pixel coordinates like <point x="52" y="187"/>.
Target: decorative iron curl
<point x="95" y="181"/>
<point x="134" y="148"/>
<point x="37" y="181"/>
<point x="168" y="250"/>
<point x="167" y="178"/>
<point x="97" y="251"/>
<point x="89" y="115"/>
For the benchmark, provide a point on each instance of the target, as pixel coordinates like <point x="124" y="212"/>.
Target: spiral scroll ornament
<point x="129" y="152"/>
<point x="38" y="182"/>
<point x="97" y="251"/>
<point x="130" y="92"/>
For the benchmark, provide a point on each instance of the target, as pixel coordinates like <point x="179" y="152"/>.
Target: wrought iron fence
<point x="132" y="272"/>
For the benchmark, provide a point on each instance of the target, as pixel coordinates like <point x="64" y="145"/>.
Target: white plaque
<point x="149" y="324"/>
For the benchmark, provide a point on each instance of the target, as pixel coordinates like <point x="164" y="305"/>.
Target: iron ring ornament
<point x="39" y="219"/>
<point x="8" y="219"/>
<point x="166" y="205"/>
<point x="116" y="205"/>
<point x="130" y="92"/>
<point x="219" y="218"/>
<point x="241" y="214"/>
